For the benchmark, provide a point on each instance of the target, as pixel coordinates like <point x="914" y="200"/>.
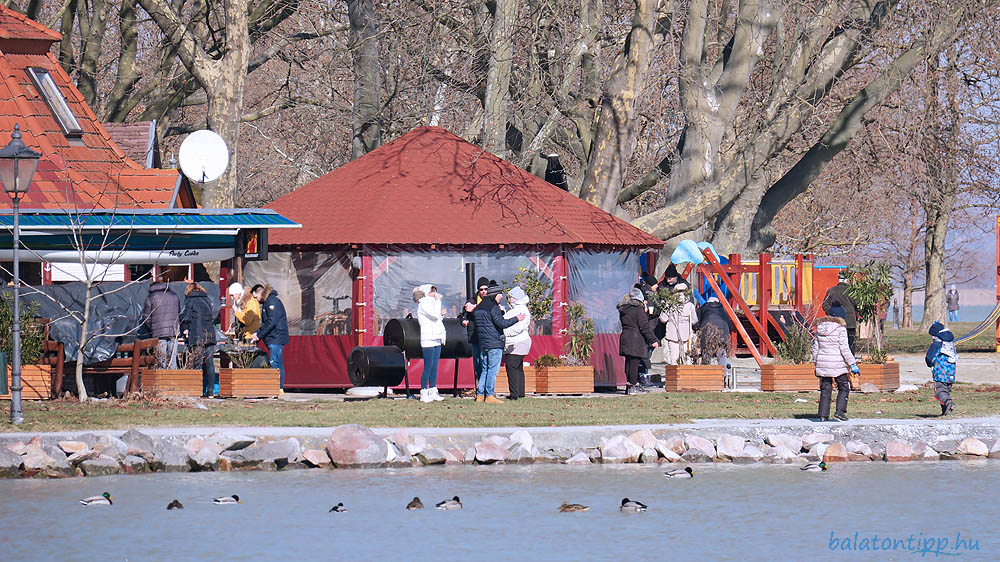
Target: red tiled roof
<point x="432" y="187"/>
<point x="89" y="172"/>
<point x="133" y="139"/>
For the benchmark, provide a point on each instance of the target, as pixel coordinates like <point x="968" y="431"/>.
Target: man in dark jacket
<point x="468" y="320"/>
<point x="490" y="325"/>
<point x="198" y="324"/>
<point x="636" y="338"/>
<point x="714" y="325"/>
<point x="162" y="314"/>
<point x="838" y="293"/>
<point x="273" y="328"/>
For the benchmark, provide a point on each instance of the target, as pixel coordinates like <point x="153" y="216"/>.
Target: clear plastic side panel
<point x="599" y="280"/>
<point x="315" y="288"/>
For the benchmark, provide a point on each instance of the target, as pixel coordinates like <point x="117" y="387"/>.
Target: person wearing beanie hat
<point x="670" y="277"/>
<point x="951" y="300"/>
<point x="466" y="316"/>
<point x="636" y="338"/>
<point x="942" y="358"/>
<point x="490" y="324"/>
<point x="838" y="293"/>
<point x="432" y="338"/>
<point x="517" y="341"/>
<point x="649" y="286"/>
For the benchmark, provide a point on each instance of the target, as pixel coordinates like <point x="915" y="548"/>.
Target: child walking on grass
<point x="942" y="358"/>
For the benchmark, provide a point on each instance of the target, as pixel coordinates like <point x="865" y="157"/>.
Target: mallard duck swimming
<point x="453" y="503"/>
<point x="631" y="506"/>
<point x="176" y="504"/>
<point x="415" y="503"/>
<point x="103" y="499"/>
<point x="815" y="467"/>
<point x="228" y="500"/>
<point x="572" y="508"/>
<point x="686" y="473"/>
<point x="339" y="508"/>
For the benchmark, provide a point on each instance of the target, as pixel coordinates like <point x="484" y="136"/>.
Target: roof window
<point x="47" y="88"/>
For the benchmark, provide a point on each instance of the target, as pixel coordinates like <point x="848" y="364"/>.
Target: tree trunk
<point x="907" y="301"/>
<point x="80" y="388"/>
<point x="364" y="55"/>
<point x="498" y="77"/>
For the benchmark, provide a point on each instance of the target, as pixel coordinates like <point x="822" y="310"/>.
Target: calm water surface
<point x="724" y="513"/>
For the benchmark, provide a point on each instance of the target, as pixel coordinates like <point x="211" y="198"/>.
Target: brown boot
<point x="480" y="398"/>
<point x="493" y="400"/>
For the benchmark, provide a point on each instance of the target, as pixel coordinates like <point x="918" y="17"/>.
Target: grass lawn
<point x="66" y="415"/>
<point x="916" y="341"/>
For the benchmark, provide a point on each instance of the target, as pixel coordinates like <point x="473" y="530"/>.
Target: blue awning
<point x="145" y="219"/>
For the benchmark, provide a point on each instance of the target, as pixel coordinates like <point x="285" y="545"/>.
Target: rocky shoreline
<point x="353" y="446"/>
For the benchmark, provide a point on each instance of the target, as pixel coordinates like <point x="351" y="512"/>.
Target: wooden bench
<point x="130" y="359"/>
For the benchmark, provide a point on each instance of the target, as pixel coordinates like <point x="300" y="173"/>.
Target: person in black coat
<point x="198" y="324"/>
<point x="838" y="294"/>
<point x="649" y="285"/>
<point x="490" y="325"/>
<point x="273" y="329"/>
<point x="162" y="311"/>
<point x="468" y="320"/>
<point x="714" y="323"/>
<point x="636" y="338"/>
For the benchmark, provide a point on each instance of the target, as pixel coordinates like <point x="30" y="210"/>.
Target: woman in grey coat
<point x="833" y="358"/>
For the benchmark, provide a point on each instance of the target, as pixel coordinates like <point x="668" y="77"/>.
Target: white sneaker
<point x="425" y="395"/>
<point x="434" y="394"/>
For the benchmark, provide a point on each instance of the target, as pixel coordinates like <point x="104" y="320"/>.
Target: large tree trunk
<point x="907" y="301"/>
<point x="498" y="77"/>
<point x="364" y="55"/>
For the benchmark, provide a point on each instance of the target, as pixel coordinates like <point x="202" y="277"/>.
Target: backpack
<point x="943" y="370"/>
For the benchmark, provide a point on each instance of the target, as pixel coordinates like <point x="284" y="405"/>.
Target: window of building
<point x="47" y="88"/>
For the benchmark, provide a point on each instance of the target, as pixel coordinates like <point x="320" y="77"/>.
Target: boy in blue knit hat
<point x="942" y="358"/>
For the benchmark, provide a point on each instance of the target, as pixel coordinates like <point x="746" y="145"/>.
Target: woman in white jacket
<point x="432" y="336"/>
<point x="517" y="342"/>
<point x="678" y="327"/>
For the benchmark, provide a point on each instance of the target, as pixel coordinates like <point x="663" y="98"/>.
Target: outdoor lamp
<point x="17" y="166"/>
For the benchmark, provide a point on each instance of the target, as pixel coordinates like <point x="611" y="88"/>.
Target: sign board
<point x="99" y="272"/>
<point x="251" y="244"/>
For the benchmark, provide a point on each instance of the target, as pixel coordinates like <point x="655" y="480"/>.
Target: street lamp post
<point x="17" y="166"/>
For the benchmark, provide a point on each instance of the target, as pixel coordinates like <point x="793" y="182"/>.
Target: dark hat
<point x="945" y="335"/>
<point x="494" y="290"/>
<point x="671" y="271"/>
<point x="481" y="282"/>
<point x="936" y="329"/>
<point x="649" y="279"/>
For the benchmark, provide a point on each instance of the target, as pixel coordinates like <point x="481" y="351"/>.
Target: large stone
<point x="858" y="457"/>
<point x="666" y="452"/>
<point x="401" y="439"/>
<point x="133" y="464"/>
<point x="355" y="446"/>
<point x="946" y="446"/>
<point x="790" y="442"/>
<point x="195" y="444"/>
<point x="488" y="452"/>
<point x="112" y="446"/>
<point x="523" y="438"/>
<point x="813" y="438"/>
<point x="137" y="440"/>
<point x="168" y="457"/>
<point x="676" y="444"/>
<point x="730" y="446"/>
<point x="70" y="447"/>
<point x="206" y="459"/>
<point x="694" y="455"/>
<point x="579" y="458"/>
<point x="858" y="447"/>
<point x="835" y="452"/>
<point x="417" y="443"/>
<point x="452" y="456"/>
<point x="649" y="455"/>
<point x="703" y="445"/>
<point x="924" y="452"/>
<point x="278" y="452"/>
<point x="101" y="466"/>
<point x="995" y="450"/>
<point x="549" y="456"/>
<point x="431" y="455"/>
<point x="781" y="454"/>
<point x="231" y="441"/>
<point x="17" y="447"/>
<point x="10" y="463"/>
<point x="520" y="455"/>
<point x="37" y="459"/>
<point x="470" y="455"/>
<point x="316" y="458"/>
<point x="817" y="451"/>
<point x="974" y="447"/>
<point x="898" y="451"/>
<point x="619" y="449"/>
<point x="225" y="465"/>
<point x="77" y="458"/>
<point x="644" y="438"/>
<point x="749" y="454"/>
<point x="499" y="441"/>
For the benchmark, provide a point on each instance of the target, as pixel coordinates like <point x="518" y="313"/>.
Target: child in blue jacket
<point x="942" y="358"/>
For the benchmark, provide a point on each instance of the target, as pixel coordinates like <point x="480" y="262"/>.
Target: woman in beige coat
<point x="833" y="358"/>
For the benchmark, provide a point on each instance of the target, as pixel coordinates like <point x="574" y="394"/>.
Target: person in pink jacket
<point x="833" y="358"/>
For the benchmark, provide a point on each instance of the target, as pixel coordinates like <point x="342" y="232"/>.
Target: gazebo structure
<point x="417" y="210"/>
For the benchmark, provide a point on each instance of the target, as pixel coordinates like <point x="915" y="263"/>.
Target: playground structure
<point x="993" y="320"/>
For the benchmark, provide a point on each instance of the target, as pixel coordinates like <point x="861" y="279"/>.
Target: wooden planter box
<point x="788" y="377"/>
<point x="694" y="377"/>
<point x="36" y="382"/>
<point x="179" y="382"/>
<point x="562" y="380"/>
<point x="249" y="383"/>
<point x="502" y="387"/>
<point x="885" y="376"/>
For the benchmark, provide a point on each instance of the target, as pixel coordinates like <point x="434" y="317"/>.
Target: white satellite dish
<point x="203" y="156"/>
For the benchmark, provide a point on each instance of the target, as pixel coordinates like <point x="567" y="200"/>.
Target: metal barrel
<point x="376" y="366"/>
<point x="404" y="333"/>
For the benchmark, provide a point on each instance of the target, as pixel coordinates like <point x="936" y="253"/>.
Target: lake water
<point x="726" y="512"/>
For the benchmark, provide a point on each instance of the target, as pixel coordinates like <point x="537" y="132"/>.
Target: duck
<point x="103" y="499"/>
<point x="227" y="500"/>
<point x="686" y="473"/>
<point x="453" y="503"/>
<point x="631" y="506"/>
<point x="815" y="467"/>
<point x="415" y="503"/>
<point x="573" y="508"/>
<point x="339" y="508"/>
<point x="176" y="504"/>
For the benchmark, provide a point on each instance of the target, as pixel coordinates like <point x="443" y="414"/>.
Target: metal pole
<point x="16" y="414"/>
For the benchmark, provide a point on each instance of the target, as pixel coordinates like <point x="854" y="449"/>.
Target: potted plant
<point x="870" y="289"/>
<point x="792" y="369"/>
<point x="539" y="292"/>
<point x="571" y="374"/>
<point x="183" y="381"/>
<point x="246" y="379"/>
<point x="36" y="380"/>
